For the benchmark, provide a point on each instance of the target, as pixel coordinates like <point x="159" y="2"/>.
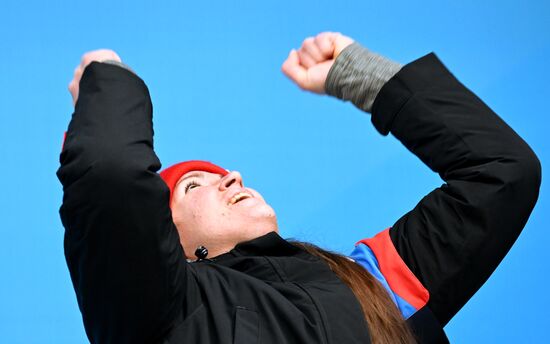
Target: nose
<point x="229" y="179"/>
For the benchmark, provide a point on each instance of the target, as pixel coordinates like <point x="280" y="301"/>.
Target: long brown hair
<point x="386" y="324"/>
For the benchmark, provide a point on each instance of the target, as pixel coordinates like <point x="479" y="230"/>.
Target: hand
<point x="87" y="58"/>
<point x="309" y="66"/>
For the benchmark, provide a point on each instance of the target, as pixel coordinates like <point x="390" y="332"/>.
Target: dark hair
<point x="386" y="324"/>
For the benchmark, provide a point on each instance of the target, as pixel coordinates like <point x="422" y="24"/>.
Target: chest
<point x="273" y="300"/>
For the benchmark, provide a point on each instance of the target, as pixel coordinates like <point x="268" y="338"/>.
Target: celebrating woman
<point x="191" y="255"/>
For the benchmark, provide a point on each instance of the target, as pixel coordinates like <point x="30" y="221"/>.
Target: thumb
<point x="294" y="70"/>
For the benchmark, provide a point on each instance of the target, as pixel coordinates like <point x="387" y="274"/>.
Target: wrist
<point x="358" y="74"/>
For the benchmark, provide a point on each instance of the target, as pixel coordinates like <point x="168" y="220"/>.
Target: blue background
<point x="213" y="70"/>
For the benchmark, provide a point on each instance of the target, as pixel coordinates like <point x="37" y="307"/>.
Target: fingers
<point x="324" y="46"/>
<point x="315" y="50"/>
<point x="310" y="54"/>
<point x="73" y="89"/>
<point x="98" y="55"/>
<point x="306" y="59"/>
<point x="73" y="85"/>
<point x="325" y="42"/>
<point x="77" y="72"/>
<point x="294" y="70"/>
<point x="318" y="49"/>
<point x="308" y="66"/>
<point x="301" y="64"/>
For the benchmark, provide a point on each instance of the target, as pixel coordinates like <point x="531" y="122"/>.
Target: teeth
<point x="239" y="196"/>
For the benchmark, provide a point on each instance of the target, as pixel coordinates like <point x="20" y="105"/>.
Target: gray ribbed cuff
<point x="358" y="74"/>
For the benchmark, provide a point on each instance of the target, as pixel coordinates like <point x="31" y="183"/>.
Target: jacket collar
<point x="270" y="244"/>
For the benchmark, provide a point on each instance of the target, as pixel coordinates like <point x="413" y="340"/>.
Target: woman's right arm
<point x="122" y="248"/>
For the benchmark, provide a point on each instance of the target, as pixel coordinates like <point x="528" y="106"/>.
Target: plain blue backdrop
<point x="213" y="70"/>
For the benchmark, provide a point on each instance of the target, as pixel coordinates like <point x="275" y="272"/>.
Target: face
<point x="218" y="212"/>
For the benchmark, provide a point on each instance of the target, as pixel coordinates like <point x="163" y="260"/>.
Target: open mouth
<point x="239" y="197"/>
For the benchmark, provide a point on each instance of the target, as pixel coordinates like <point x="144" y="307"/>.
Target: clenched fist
<point x="87" y="58"/>
<point x="308" y="67"/>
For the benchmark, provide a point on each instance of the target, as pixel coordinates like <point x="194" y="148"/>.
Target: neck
<point x="220" y="247"/>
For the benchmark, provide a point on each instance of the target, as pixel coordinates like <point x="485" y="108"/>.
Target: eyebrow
<point x="197" y="174"/>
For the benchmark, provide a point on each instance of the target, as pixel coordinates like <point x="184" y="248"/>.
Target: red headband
<point x="172" y="174"/>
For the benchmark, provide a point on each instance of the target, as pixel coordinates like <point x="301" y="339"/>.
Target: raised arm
<point x="457" y="234"/>
<point x="122" y="249"/>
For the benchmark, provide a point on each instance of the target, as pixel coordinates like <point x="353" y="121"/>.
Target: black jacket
<point x="129" y="271"/>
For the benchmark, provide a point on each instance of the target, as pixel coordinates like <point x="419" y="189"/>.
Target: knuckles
<point x="98" y="55"/>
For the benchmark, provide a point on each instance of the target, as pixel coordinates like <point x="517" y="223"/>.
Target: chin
<point x="261" y="218"/>
<point x="264" y="211"/>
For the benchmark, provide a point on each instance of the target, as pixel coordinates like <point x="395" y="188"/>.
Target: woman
<point x="190" y="255"/>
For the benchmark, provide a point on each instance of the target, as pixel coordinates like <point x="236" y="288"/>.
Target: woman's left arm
<point x="457" y="234"/>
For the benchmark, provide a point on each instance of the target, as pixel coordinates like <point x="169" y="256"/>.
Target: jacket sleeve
<point x="122" y="248"/>
<point x="457" y="234"/>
